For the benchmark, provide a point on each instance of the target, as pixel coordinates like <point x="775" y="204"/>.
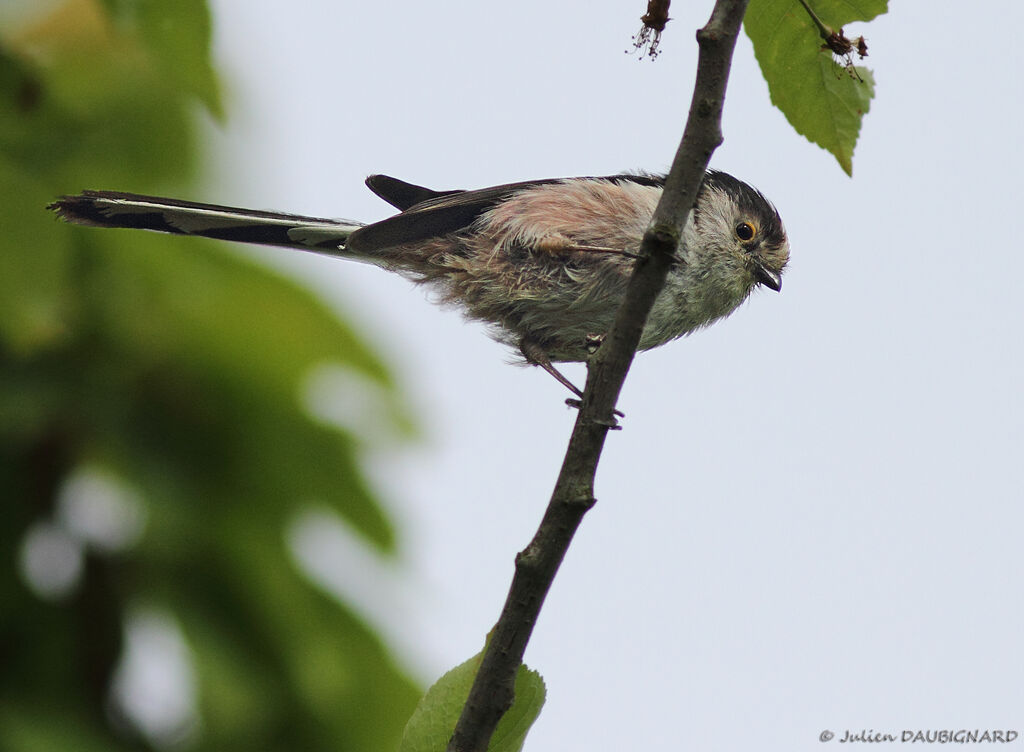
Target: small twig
<point x="492" y="692"/>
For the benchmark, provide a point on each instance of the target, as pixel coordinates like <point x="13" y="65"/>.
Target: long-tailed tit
<point x="544" y="262"/>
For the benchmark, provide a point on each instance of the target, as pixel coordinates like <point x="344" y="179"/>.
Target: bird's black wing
<point x="400" y="194"/>
<point x="439" y="213"/>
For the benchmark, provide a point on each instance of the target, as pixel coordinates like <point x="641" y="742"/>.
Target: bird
<point x="544" y="263"/>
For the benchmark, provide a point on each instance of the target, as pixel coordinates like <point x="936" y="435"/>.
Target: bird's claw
<point x="612" y="423"/>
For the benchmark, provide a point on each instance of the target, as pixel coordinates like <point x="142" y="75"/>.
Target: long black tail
<point x="114" y="209"/>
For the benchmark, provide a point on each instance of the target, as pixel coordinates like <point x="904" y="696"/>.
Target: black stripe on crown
<point x="750" y="201"/>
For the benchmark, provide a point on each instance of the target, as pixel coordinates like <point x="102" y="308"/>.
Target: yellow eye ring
<point x="745" y="231"/>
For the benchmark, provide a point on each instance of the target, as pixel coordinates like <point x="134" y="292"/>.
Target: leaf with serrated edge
<point x="821" y="99"/>
<point x="434" y="719"/>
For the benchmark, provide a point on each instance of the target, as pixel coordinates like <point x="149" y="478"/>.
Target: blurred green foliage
<point x="175" y="369"/>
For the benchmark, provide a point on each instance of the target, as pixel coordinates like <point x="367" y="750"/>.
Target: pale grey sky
<point x="812" y="519"/>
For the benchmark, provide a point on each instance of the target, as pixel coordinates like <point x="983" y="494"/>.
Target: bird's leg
<point x="536" y="355"/>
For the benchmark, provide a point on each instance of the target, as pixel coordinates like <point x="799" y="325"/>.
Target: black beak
<point x="767" y="277"/>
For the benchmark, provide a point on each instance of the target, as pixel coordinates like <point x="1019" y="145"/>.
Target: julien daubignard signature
<point x="929" y="736"/>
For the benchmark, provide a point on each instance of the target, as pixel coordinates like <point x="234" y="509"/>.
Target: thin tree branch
<point x="492" y="692"/>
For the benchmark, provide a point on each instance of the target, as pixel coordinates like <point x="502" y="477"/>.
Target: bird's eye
<point x="745" y="231"/>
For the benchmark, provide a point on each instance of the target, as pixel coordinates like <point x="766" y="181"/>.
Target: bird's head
<point x="739" y="239"/>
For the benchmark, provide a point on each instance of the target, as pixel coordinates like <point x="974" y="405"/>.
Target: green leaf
<point x="822" y="99"/>
<point x="182" y="370"/>
<point x="515" y="724"/>
<point x="35" y="259"/>
<point x="84" y="104"/>
<point x="28" y="728"/>
<point x="434" y="720"/>
<point x="216" y="350"/>
<point x="274" y="655"/>
<point x="177" y="35"/>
